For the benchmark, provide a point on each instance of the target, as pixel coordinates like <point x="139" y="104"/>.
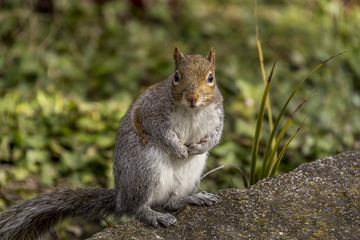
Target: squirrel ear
<point x="211" y="57"/>
<point x="177" y="55"/>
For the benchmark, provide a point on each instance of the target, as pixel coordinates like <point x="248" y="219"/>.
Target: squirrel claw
<point x="165" y="220"/>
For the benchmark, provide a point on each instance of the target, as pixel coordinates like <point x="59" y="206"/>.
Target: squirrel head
<point x="193" y="82"/>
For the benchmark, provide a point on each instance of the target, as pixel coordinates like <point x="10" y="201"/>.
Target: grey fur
<point x="158" y="159"/>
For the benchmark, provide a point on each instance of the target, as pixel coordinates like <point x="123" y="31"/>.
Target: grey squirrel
<point x="160" y="153"/>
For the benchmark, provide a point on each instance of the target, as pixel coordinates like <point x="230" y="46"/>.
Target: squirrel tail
<point x="34" y="217"/>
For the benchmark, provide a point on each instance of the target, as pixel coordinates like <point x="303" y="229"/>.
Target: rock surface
<point x="318" y="200"/>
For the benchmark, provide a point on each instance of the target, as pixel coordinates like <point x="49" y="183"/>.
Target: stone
<point x="317" y="200"/>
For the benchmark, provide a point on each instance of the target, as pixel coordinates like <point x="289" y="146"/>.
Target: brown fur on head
<point x="193" y="82"/>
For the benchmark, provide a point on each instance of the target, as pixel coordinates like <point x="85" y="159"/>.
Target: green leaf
<point x="259" y="122"/>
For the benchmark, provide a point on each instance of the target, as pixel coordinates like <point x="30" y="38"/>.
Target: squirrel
<point x="159" y="156"/>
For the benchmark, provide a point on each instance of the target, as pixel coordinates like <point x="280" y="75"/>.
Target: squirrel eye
<point x="176" y="78"/>
<point x="211" y="78"/>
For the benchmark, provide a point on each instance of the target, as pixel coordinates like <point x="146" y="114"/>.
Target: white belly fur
<point x="179" y="177"/>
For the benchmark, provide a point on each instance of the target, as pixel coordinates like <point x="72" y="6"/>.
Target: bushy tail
<point x="32" y="218"/>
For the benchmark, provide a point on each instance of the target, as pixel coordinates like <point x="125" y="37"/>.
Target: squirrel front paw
<point x="197" y="148"/>
<point x="181" y="152"/>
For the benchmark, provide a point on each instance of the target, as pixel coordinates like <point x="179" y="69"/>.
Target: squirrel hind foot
<point x="203" y="198"/>
<point x="156" y="219"/>
<point x="165" y="219"/>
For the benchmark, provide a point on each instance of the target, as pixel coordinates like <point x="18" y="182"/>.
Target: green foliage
<point x="67" y="78"/>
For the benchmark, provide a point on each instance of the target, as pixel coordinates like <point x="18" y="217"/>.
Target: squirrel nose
<point x="192" y="100"/>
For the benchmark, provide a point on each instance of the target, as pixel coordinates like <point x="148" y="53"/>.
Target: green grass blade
<point x="274" y="171"/>
<point x="281" y="154"/>
<point x="259" y="122"/>
<point x="256" y="141"/>
<point x="271" y="163"/>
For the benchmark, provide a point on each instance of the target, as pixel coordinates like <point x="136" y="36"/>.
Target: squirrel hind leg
<point x="154" y="218"/>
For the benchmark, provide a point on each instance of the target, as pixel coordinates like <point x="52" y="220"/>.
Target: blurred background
<point x="69" y="70"/>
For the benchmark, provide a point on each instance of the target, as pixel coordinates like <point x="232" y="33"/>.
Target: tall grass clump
<point x="272" y="157"/>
